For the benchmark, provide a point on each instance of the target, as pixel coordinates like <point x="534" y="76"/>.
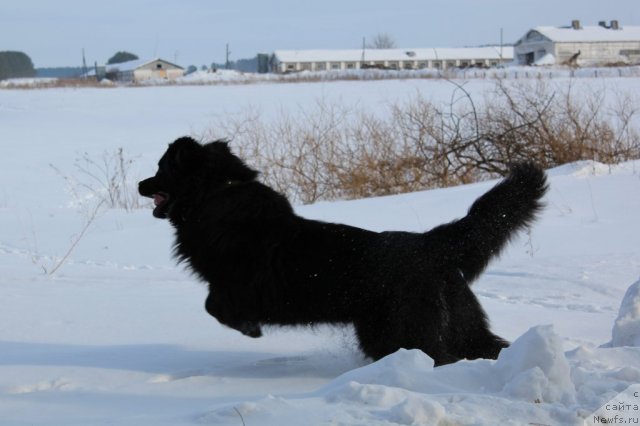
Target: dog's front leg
<point x="251" y="329"/>
<point x="217" y="310"/>
<point x="248" y="328"/>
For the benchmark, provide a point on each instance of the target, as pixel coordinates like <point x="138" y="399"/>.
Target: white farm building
<point x="283" y="61"/>
<point x="606" y="43"/>
<point x="141" y="70"/>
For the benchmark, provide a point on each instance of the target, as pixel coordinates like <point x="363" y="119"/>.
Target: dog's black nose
<point x="145" y="187"/>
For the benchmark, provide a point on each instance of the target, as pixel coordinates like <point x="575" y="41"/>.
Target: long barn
<point x="283" y="61"/>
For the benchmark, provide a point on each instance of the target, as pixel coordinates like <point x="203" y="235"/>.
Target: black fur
<point x="266" y="265"/>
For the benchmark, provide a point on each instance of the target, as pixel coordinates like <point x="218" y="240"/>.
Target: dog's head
<point x="188" y="168"/>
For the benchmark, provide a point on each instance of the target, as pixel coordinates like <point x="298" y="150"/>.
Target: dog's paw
<point x="250" y="329"/>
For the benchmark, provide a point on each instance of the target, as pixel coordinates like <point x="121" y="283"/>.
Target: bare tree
<point x="382" y="41"/>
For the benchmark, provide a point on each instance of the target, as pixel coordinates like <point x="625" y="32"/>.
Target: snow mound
<point x="626" y="329"/>
<point x="202" y="77"/>
<point x="535" y="368"/>
<point x="403" y="369"/>
<point x="547" y="59"/>
<point x="405" y="388"/>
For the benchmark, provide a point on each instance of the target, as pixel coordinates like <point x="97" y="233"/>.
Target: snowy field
<point x="118" y="334"/>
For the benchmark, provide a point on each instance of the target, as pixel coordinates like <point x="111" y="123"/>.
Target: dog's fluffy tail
<point x="492" y="220"/>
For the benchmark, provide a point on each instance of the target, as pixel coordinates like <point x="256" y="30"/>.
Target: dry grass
<point x="332" y="152"/>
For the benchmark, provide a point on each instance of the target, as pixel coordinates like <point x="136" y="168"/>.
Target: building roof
<point x="161" y="60"/>
<point x="588" y="34"/>
<point x="135" y="64"/>
<point x="421" y="54"/>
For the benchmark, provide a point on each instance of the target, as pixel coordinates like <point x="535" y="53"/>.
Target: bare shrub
<point x="330" y="151"/>
<point x="97" y="185"/>
<point x="106" y="179"/>
<point x="530" y="121"/>
<point x="327" y="152"/>
<point x="90" y="217"/>
<point x="294" y="155"/>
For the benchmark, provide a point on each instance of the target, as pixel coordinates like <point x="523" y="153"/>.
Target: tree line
<point x="15" y="65"/>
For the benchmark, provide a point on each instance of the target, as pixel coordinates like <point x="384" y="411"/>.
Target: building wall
<point x="157" y="70"/>
<point x="602" y="52"/>
<point x="284" y="67"/>
<point x="144" y="74"/>
<point x="536" y="46"/>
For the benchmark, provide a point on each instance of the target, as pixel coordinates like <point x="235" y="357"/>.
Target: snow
<point x="26" y="82"/>
<point x="547" y="59"/>
<point x="119" y="336"/>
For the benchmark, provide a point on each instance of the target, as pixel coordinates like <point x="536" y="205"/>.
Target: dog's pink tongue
<point x="158" y="199"/>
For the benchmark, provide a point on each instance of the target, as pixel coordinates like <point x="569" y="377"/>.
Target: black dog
<point x="266" y="265"/>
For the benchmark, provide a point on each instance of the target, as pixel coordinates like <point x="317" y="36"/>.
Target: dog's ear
<point x="187" y="153"/>
<point x="219" y="147"/>
<point x="224" y="161"/>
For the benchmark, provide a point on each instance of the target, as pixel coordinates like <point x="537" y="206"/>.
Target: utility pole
<point x="501" y="43"/>
<point x="85" y="70"/>
<point x="226" y="64"/>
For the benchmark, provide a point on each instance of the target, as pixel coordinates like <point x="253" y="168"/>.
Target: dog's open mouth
<point x="160" y="200"/>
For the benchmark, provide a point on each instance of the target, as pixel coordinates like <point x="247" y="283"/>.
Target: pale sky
<point x="195" y="32"/>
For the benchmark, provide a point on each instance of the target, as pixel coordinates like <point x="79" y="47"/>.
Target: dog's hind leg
<point x="469" y="335"/>
<point x="483" y="345"/>
<point x="380" y="338"/>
